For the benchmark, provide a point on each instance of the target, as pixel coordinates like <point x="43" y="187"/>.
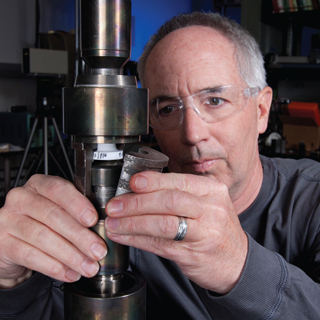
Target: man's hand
<point x="214" y="250"/>
<point x="43" y="227"/>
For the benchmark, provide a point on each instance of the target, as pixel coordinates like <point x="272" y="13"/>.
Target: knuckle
<point x="181" y="183"/>
<point x="168" y="225"/>
<point x="165" y="248"/>
<point x="34" y="180"/>
<point x="8" y="251"/>
<point x="173" y="200"/>
<point x="223" y="187"/>
<point x="41" y="234"/>
<point x="15" y="194"/>
<point x="53" y="214"/>
<point x="57" y="185"/>
<point x="73" y="260"/>
<point x="84" y="234"/>
<point x="22" y="227"/>
<point x="55" y="270"/>
<point x="136" y="204"/>
<point x="159" y="246"/>
<point x="50" y="184"/>
<point x="28" y="256"/>
<point x="130" y="225"/>
<point x="4" y="220"/>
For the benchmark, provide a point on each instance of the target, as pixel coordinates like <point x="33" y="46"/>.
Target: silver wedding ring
<point x="182" y="230"/>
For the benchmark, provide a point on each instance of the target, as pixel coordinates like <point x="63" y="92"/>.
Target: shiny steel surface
<point x="104" y="177"/>
<point x="117" y="259"/>
<point x="83" y="156"/>
<point x="127" y="304"/>
<point x="106" y="80"/>
<point x="103" y="285"/>
<point x="105" y="111"/>
<point x="105" y="32"/>
<point x="104" y="107"/>
<point x="105" y="139"/>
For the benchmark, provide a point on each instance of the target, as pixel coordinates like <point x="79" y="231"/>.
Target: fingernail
<point x="115" y="206"/>
<point x="99" y="251"/>
<point x="87" y="217"/>
<point x="112" y="223"/>
<point x="73" y="275"/>
<point x="90" y="267"/>
<point x="141" y="182"/>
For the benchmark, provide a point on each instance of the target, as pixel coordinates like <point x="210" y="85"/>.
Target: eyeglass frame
<point x="247" y="91"/>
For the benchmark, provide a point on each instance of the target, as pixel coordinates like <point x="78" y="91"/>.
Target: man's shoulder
<point x="307" y="169"/>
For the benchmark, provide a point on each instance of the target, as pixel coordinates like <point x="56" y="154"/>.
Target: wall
<point x="17" y="30"/>
<point x="149" y="16"/>
<point x="57" y="15"/>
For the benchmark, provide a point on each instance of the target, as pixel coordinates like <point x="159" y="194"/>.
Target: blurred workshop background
<point x="288" y="33"/>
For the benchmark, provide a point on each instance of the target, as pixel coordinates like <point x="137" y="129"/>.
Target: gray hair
<point x="248" y="54"/>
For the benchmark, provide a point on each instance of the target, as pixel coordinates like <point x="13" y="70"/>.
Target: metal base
<point x="128" y="301"/>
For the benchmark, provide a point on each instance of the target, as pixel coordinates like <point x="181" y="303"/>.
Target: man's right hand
<point x="44" y="227"/>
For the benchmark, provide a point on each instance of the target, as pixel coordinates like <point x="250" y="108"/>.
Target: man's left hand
<point x="214" y="250"/>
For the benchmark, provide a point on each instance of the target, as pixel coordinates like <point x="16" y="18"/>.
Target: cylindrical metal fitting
<point x="117" y="259"/>
<point x="105" y="111"/>
<point x="105" y="33"/>
<point x="104" y="179"/>
<point x="128" y="302"/>
<point x="104" y="107"/>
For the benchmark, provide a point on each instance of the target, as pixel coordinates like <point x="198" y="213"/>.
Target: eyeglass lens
<point x="211" y="105"/>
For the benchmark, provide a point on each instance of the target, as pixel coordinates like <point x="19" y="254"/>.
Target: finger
<point x="64" y="193"/>
<point x="54" y="224"/>
<point x="150" y="181"/>
<point x="52" y="244"/>
<point x="164" y="202"/>
<point x="157" y="226"/>
<point x="18" y="252"/>
<point x="57" y="219"/>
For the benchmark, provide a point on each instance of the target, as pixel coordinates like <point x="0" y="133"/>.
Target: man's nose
<point x="193" y="127"/>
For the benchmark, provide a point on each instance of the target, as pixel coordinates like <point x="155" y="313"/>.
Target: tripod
<point x="46" y="151"/>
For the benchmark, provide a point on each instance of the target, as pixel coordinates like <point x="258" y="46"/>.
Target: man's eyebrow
<point x="212" y="89"/>
<point x="164" y="97"/>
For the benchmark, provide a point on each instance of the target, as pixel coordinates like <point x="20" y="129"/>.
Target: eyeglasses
<point x="211" y="105"/>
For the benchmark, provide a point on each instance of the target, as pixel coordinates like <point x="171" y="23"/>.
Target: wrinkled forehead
<point x="190" y="59"/>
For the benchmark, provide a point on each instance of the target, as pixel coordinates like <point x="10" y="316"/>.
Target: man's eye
<point x="213" y="101"/>
<point x="166" y="110"/>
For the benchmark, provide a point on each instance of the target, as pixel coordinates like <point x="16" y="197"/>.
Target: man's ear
<point x="264" y="101"/>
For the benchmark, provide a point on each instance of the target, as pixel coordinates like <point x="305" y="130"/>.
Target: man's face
<point x="185" y="62"/>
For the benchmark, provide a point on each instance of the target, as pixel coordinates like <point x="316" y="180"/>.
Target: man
<point x="251" y="250"/>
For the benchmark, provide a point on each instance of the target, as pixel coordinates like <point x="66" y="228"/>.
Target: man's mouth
<point x="201" y="166"/>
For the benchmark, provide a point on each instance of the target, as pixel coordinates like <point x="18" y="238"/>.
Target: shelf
<point x="297" y="72"/>
<point x="308" y="18"/>
<point x="295" y="68"/>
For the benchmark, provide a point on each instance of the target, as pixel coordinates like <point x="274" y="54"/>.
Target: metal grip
<point x="133" y="162"/>
<point x="105" y="32"/>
